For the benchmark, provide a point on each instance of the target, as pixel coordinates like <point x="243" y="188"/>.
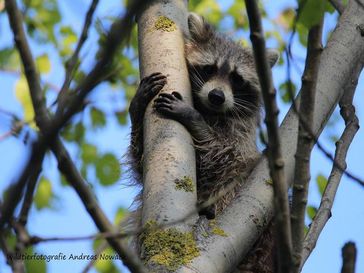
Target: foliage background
<point x="98" y="137"/>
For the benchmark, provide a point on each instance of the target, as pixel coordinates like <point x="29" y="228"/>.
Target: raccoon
<point x="225" y="113"/>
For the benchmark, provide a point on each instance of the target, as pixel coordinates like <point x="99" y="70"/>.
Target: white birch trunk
<point x="168" y="147"/>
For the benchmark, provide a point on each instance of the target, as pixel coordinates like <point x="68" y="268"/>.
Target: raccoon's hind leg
<point x="148" y="88"/>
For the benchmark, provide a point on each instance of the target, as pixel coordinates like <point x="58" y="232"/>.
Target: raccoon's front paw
<point x="148" y="88"/>
<point x="172" y="106"/>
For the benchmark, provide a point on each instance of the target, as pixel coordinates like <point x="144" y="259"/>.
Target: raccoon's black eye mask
<point x="237" y="81"/>
<point x="204" y="72"/>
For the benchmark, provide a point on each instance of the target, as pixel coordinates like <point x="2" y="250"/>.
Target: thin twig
<point x="276" y="163"/>
<point x="342" y="145"/>
<point x="349" y="258"/>
<point x="15" y="191"/>
<point x="326" y="153"/>
<point x="72" y="175"/>
<point x="113" y="40"/>
<point x="71" y="64"/>
<point x="305" y="142"/>
<point x="35" y="89"/>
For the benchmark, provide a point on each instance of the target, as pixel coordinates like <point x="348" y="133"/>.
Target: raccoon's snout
<point x="216" y="97"/>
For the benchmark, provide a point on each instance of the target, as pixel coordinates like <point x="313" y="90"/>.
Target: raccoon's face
<point x="222" y="72"/>
<point x="221" y="88"/>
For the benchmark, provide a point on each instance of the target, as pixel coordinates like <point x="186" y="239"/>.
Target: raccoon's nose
<point x="216" y="97"/>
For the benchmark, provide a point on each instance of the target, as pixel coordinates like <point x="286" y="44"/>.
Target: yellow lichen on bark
<point x="169" y="248"/>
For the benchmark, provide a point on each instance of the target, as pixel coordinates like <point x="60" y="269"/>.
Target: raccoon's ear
<point x="273" y="56"/>
<point x="200" y="30"/>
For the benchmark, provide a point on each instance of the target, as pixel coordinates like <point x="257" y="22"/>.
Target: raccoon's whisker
<point x="246" y="104"/>
<point x="197" y="76"/>
<point x="242" y="110"/>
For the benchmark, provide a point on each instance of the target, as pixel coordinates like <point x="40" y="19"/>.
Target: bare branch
<point x="15" y="191"/>
<point x="71" y="64"/>
<point x="119" y="33"/>
<point x="342" y="145"/>
<point x="275" y="159"/>
<point x="305" y="142"/>
<point x="16" y="20"/>
<point x="72" y="175"/>
<point x="349" y="258"/>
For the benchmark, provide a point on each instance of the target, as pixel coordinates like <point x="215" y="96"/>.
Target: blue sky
<point x="69" y="217"/>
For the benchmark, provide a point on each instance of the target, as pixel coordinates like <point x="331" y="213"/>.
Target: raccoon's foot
<point x="148" y="88"/>
<point x="174" y="107"/>
<point x="209" y="212"/>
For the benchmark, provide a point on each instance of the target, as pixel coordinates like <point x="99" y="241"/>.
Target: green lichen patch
<point x="165" y="24"/>
<point x="215" y="229"/>
<point x="186" y="184"/>
<point x="269" y="181"/>
<point x="169" y="248"/>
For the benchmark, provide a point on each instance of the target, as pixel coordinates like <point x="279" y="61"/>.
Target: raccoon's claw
<point x="172" y="106"/>
<point x="150" y="86"/>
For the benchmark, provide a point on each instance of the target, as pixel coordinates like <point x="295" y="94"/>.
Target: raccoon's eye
<point x="237" y="80"/>
<point x="209" y="69"/>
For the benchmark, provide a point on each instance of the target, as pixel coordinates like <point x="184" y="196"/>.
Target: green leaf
<point x="97" y="118"/>
<point x="108" y="169"/>
<point x="34" y="265"/>
<point x="63" y="180"/>
<point x="237" y="11"/>
<point x="311" y="11"/>
<point x="286" y="18"/>
<point x="74" y="132"/>
<point x="321" y="183"/>
<point x="104" y="264"/>
<point x="44" y="194"/>
<point x="311" y="212"/>
<point x="23" y="96"/>
<point x="88" y="153"/>
<point x="120" y="215"/>
<point x="43" y="63"/>
<point x="9" y="59"/>
<point x="284" y="91"/>
<point x="121" y="117"/>
<point x="210" y="9"/>
<point x="302" y="33"/>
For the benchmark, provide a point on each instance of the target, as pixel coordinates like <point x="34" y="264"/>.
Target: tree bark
<point x="248" y="215"/>
<point x="168" y="148"/>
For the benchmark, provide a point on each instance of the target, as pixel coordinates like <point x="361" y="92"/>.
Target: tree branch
<point x="349" y="258"/>
<point x="342" y="145"/>
<point x="16" y="20"/>
<point x="72" y="62"/>
<point x="344" y="51"/>
<point x="305" y="142"/>
<point x="275" y="159"/>
<point x="64" y="161"/>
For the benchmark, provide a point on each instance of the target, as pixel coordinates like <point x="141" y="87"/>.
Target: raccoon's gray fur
<point x="224" y="118"/>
